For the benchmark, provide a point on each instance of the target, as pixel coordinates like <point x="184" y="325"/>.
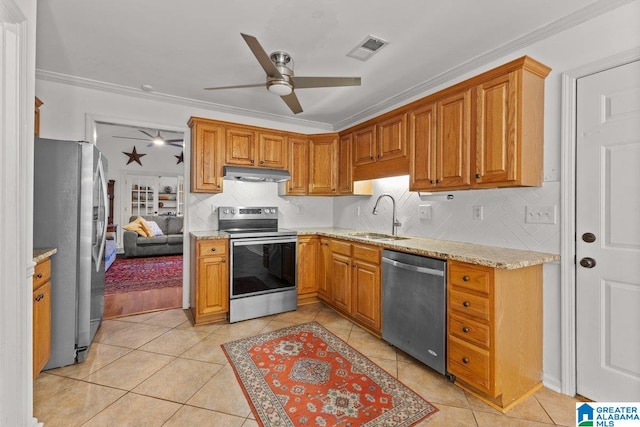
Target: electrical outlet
<point x="299" y="210"/>
<point x="540" y="215"/>
<point x="358" y="211"/>
<point x="425" y="211"/>
<point x="478" y="213"/>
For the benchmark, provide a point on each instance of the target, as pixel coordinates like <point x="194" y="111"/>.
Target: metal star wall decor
<point x="134" y="156"/>
<point x="180" y="158"/>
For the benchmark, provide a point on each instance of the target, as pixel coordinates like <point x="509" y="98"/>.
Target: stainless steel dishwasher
<point x="414" y="306"/>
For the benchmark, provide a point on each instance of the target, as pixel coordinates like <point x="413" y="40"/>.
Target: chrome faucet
<point x="395" y="222"/>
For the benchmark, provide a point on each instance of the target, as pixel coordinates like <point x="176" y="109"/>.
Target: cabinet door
<point x="213" y="286"/>
<point x="41" y="327"/>
<point x="240" y="144"/>
<point x="453" y="141"/>
<point x="422" y="142"/>
<point x="392" y="140"/>
<point x="298" y="166"/>
<point x="308" y="260"/>
<point x="340" y="277"/>
<point x="272" y="150"/>
<point x="345" y="165"/>
<point x="207" y="148"/>
<point x="364" y="146"/>
<point x="367" y="293"/>
<point x="496" y="149"/>
<point x="322" y="164"/>
<point x="324" y="270"/>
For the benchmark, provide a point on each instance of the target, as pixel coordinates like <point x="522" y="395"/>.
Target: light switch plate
<point x="425" y="211"/>
<point x="540" y="215"/>
<point x="478" y="213"/>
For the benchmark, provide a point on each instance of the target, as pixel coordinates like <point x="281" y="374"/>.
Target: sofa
<point x="169" y="242"/>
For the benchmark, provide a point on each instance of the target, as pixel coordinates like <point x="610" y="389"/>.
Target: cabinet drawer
<point x="42" y="273"/>
<point x="469" y="330"/>
<point x="471" y="364"/>
<point x="212" y="247"/>
<point x="475" y="279"/>
<point x="339" y="247"/>
<point x="469" y="304"/>
<point x="367" y="253"/>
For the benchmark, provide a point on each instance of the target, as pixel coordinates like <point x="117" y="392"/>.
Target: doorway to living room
<point x="144" y="253"/>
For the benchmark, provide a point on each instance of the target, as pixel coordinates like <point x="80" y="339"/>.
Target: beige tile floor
<point x="157" y="370"/>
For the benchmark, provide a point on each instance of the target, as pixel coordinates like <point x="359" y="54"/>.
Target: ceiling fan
<point x="156" y="139"/>
<point x="280" y="78"/>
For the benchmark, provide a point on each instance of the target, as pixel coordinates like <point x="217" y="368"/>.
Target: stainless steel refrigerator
<point x="70" y="214"/>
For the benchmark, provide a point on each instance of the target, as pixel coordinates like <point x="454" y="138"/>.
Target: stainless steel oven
<point x="263" y="262"/>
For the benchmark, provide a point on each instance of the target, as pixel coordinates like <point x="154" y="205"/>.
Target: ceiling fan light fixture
<point x="280" y="88"/>
<point x="158" y="140"/>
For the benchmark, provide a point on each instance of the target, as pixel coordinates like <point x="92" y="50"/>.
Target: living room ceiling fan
<point x="156" y="139"/>
<point x="280" y="78"/>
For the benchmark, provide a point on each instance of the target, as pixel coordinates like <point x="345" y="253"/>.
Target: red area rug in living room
<point x="141" y="274"/>
<point x="303" y="375"/>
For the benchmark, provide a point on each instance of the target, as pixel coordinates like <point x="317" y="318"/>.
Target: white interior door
<point x="608" y="259"/>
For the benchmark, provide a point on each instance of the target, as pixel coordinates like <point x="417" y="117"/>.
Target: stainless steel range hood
<point x="238" y="173"/>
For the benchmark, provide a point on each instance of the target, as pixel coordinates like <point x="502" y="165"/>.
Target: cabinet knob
<point x="465" y="329"/>
<point x="379" y="156"/>
<point x="252" y="161"/>
<point x="333" y="189"/>
<point x="39" y="275"/>
<point x="224" y="261"/>
<point x="466" y="278"/>
<point x="39" y="297"/>
<point x="371" y="158"/>
<point x="466" y="303"/>
<point x="213" y="249"/>
<point x="262" y="162"/>
<point x="431" y="181"/>
<point x="437" y="181"/>
<point x="478" y="175"/>
<point x="465" y="360"/>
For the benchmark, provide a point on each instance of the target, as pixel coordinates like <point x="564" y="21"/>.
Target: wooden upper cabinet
<point x="422" y="147"/>
<point x="364" y="146"/>
<point x="345" y="165"/>
<point x="392" y="141"/>
<point x="207" y="158"/>
<point x="246" y="147"/>
<point x="453" y="141"/>
<point x="298" y="163"/>
<point x="323" y="164"/>
<point x="509" y="127"/>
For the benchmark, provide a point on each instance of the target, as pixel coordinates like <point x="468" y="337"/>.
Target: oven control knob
<point x="233" y="211"/>
<point x="272" y="211"/>
<point x="225" y="211"/>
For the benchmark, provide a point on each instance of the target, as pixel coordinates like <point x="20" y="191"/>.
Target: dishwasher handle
<point x="425" y="270"/>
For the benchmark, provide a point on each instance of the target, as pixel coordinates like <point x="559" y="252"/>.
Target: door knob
<point x="588" y="262"/>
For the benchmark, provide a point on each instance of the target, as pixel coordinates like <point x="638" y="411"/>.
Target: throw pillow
<point x="155" y="228"/>
<point x="145" y="226"/>
<point x="137" y="227"/>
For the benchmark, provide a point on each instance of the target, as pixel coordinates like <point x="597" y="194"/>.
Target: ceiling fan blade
<point x="262" y="57"/>
<point x="310" y="82"/>
<point x="147" y="133"/>
<point x="235" y="87"/>
<point x="130" y="137"/>
<point x="292" y="102"/>
<point x="174" y="140"/>
<point x="175" y="145"/>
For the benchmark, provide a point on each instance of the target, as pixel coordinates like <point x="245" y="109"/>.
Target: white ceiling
<point x="179" y="48"/>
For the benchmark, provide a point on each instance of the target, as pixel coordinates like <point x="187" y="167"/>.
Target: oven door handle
<point x="266" y="241"/>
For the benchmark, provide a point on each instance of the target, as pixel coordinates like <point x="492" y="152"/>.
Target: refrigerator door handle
<point x="105" y="201"/>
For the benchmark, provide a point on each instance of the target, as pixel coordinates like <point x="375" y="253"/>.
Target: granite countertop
<point x="209" y="235"/>
<point x="41" y="254"/>
<point x="490" y="256"/>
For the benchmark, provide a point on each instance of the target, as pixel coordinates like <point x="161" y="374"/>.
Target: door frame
<point x="568" y="208"/>
<point x="90" y="135"/>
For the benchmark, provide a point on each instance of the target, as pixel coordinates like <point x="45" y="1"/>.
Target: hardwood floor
<point x="129" y="303"/>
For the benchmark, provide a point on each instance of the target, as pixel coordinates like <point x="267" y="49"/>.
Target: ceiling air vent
<point x="367" y="48"/>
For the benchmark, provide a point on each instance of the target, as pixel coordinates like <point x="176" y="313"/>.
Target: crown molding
<point x="585" y="14"/>
<point x="172" y="99"/>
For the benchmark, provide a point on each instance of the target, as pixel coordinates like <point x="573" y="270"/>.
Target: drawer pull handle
<point x="465" y="360"/>
<point x="465" y="278"/>
<point x="465" y="329"/>
<point x="39" y="297"/>
<point x="466" y="303"/>
<point x="213" y="249"/>
<point x="39" y="275"/>
<point x="224" y="261"/>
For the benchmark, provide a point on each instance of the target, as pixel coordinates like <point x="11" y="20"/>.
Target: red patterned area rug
<point x="141" y="274"/>
<point x="304" y="375"/>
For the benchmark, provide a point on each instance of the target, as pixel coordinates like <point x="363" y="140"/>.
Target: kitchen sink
<point x="376" y="236"/>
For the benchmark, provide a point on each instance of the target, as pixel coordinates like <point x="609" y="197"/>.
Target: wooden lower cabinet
<point x="307" y="271"/>
<point x="354" y="283"/>
<point x="494" y="342"/>
<point x="209" y="280"/>
<point x="324" y="269"/>
<point x="41" y="315"/>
